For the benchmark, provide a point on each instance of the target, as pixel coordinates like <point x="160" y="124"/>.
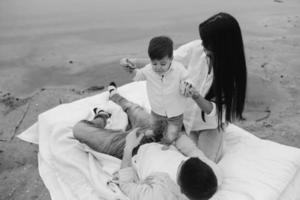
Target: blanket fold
<point x="253" y="168"/>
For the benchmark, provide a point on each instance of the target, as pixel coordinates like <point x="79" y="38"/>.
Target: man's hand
<point x="132" y="140"/>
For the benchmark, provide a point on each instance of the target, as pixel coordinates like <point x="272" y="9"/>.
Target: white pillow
<point x="254" y="168"/>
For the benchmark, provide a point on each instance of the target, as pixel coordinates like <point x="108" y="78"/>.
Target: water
<point x="75" y="42"/>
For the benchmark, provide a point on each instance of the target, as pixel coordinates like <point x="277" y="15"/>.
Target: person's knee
<point x="139" y="117"/>
<point x="135" y="110"/>
<point x="172" y="133"/>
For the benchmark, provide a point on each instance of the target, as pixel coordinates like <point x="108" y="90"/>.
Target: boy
<point x="163" y="76"/>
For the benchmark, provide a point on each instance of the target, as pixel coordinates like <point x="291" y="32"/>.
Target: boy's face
<point x="161" y="66"/>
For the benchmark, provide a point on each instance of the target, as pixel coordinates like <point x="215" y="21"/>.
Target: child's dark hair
<point x="159" y="47"/>
<point x="197" y="180"/>
<point x="221" y="35"/>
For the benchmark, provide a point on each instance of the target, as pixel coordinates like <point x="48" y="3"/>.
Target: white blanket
<point x="253" y="168"/>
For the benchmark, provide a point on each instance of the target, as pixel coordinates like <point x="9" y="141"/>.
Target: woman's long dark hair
<point x="221" y="36"/>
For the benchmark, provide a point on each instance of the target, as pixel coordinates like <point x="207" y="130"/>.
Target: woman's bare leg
<point x="211" y="143"/>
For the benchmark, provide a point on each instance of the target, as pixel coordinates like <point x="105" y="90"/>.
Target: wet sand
<point x="55" y="55"/>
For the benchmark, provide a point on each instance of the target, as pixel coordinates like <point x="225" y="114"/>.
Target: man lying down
<point x="148" y="170"/>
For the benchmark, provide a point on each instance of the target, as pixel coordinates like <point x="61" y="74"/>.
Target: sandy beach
<point x="54" y="52"/>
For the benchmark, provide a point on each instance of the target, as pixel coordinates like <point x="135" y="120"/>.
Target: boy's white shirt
<point x="164" y="90"/>
<point x="194" y="59"/>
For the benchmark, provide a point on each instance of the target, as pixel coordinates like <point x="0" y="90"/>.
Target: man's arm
<point x="156" y="186"/>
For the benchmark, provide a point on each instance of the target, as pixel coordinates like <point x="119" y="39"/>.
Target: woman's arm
<point x="198" y="71"/>
<point x="190" y="91"/>
<point x="205" y="105"/>
<point x="183" y="53"/>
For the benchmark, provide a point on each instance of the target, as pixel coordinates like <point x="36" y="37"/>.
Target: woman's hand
<point x="132" y="140"/>
<point x="188" y="90"/>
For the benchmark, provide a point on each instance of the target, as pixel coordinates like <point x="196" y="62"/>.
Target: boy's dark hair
<point x="197" y="180"/>
<point x="159" y="47"/>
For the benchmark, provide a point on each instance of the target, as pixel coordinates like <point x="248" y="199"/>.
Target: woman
<point x="216" y="83"/>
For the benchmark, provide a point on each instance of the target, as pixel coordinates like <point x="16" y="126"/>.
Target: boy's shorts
<point x="160" y="123"/>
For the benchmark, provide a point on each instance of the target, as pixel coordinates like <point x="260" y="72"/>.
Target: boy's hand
<point x="128" y="64"/>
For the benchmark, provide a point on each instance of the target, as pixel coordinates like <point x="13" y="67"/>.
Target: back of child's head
<point x="197" y="180"/>
<point x="159" y="47"/>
